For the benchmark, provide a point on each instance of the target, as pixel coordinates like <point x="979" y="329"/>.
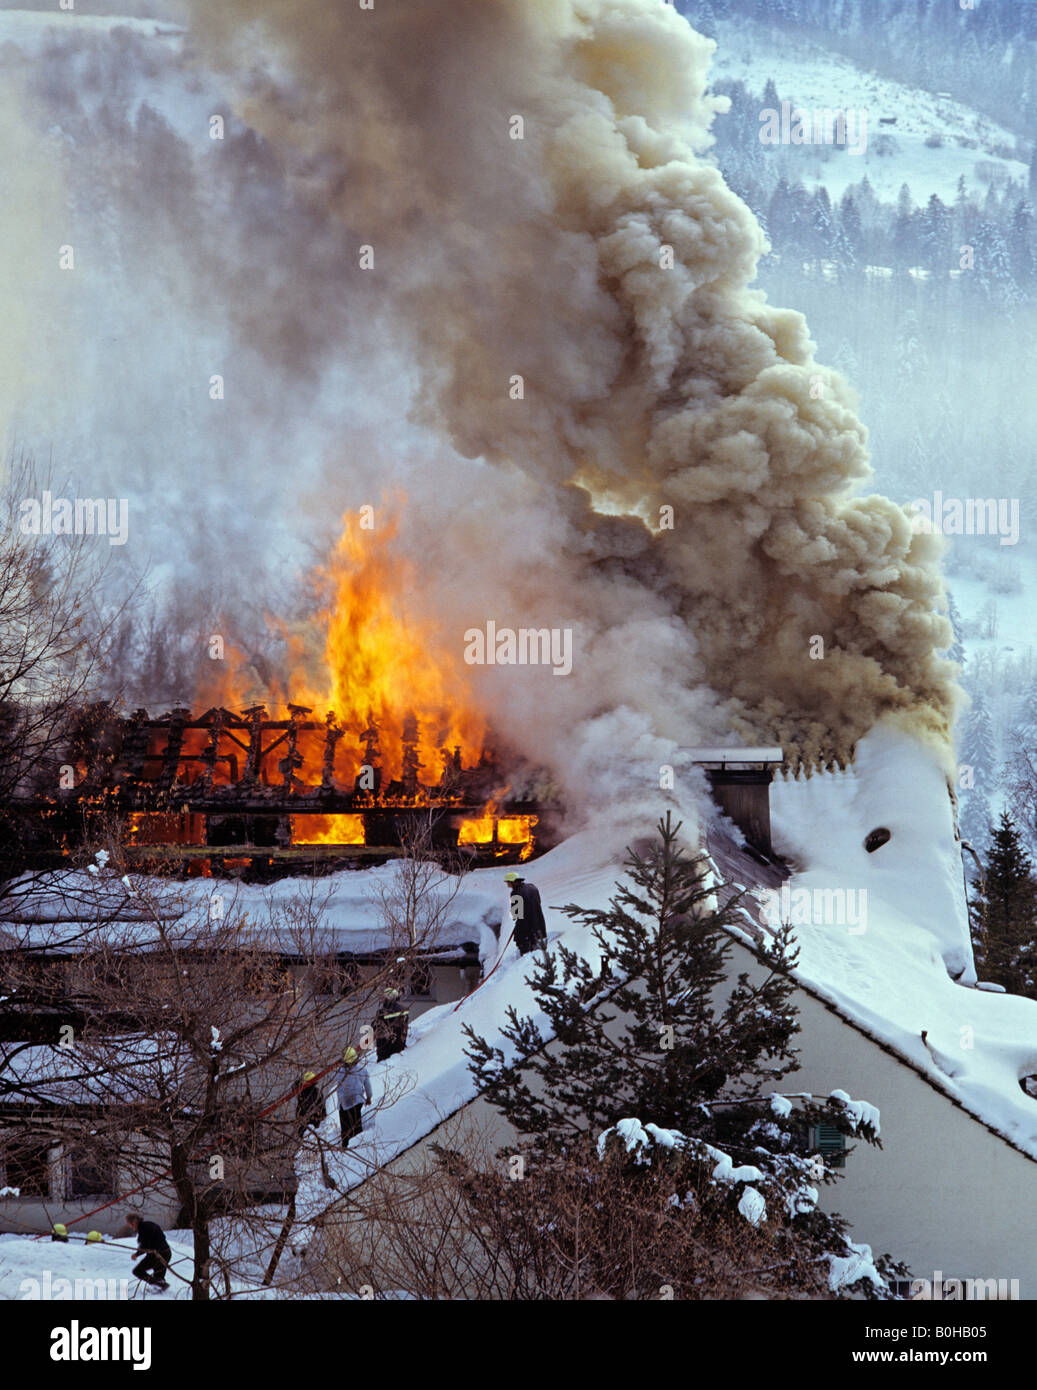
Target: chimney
<point x="740" y="779"/>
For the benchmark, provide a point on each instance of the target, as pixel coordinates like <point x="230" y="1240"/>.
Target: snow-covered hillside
<point x="813" y="77"/>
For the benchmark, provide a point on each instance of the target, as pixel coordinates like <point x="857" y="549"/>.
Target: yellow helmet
<point x="349" y="1056"/>
<point x="310" y="1076"/>
<point x="92" y="1237"/>
<point x="60" y="1229"/>
<point x="510" y="878"/>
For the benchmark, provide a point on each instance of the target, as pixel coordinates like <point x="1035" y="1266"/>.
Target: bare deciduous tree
<point x="189" y="1027"/>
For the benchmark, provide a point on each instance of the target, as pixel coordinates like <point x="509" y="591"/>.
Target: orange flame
<point x="500" y="831"/>
<point x="397" y="686"/>
<point x="476" y="830"/>
<point x="380" y="666"/>
<point x="328" y="830"/>
<point x="383" y="666"/>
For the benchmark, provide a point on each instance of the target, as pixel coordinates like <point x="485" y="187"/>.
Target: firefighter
<point x="354" y="1092"/>
<point x="390" y="1025"/>
<point x="152" y="1244"/>
<point x="527" y="914"/>
<point x="309" y="1104"/>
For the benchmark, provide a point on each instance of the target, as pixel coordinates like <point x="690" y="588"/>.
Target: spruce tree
<point x="1021" y="244"/>
<point x="993" y="264"/>
<point x="936" y="238"/>
<point x="850" y="223"/>
<point x="956" y="651"/>
<point x="905" y="231"/>
<point x="963" y="212"/>
<point x="654" y="1036"/>
<point x="821" y="226"/>
<point x="979" y="747"/>
<point x="976" y="821"/>
<point x="1026" y="722"/>
<point x="1005" y="933"/>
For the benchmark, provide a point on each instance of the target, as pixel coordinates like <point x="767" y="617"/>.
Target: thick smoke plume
<point x="602" y="259"/>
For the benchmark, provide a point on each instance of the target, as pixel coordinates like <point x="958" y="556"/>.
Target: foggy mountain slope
<point x="556" y="340"/>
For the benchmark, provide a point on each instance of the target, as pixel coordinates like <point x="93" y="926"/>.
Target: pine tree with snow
<point x="905" y="231"/>
<point x="850" y="226"/>
<point x="936" y="235"/>
<point x="993" y="271"/>
<point x="822" y="226"/>
<point x="656" y="1045"/>
<point x="979" y="747"/>
<point x="1021" y="244"/>
<point x="956" y="651"/>
<point x="1005" y="917"/>
<point x="1026" y="720"/>
<point x="976" y="822"/>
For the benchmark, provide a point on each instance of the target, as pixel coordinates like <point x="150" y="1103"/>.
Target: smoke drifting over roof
<point x="603" y="260"/>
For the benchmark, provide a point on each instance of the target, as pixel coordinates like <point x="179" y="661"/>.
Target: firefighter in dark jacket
<point x="309" y="1104"/>
<point x="527" y="914"/>
<point x="390" y="1025"/>
<point x="152" y="1244"/>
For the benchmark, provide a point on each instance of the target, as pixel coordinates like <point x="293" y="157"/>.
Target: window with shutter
<point x="830" y="1144"/>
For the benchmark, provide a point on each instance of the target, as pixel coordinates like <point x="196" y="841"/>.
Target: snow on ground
<point x="38" y="1268"/>
<point x="345" y="908"/>
<point x="1006" y="633"/>
<point x="811" y="76"/>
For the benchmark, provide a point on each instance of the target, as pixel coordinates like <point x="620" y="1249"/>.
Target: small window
<point x="331" y="976"/>
<point x="267" y="978"/>
<point x="90" y="1175"/>
<point x="830" y="1143"/>
<point x="27" y="1166"/>
<point x="421" y="978"/>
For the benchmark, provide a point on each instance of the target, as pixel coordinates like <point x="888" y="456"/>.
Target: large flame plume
<point x="388" y="677"/>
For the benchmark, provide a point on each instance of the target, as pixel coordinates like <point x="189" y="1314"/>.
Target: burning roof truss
<point x="245" y="786"/>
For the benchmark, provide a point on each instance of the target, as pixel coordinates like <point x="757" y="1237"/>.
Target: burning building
<point x="227" y="790"/>
<point x="402" y="753"/>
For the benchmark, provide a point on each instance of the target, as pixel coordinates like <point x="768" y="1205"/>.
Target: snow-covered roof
<point x="900" y="965"/>
<point x="347" y="911"/>
<point x="891" y="954"/>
